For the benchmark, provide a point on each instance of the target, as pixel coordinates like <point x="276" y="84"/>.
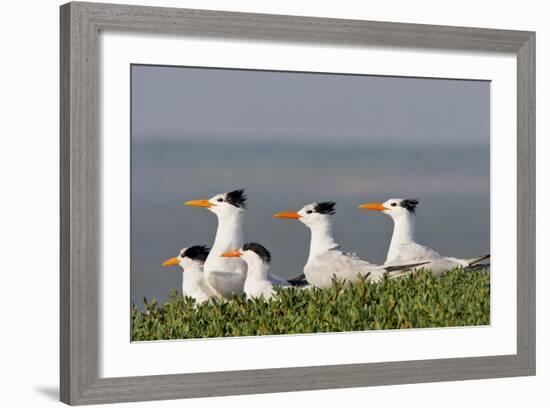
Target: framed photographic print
<point x="261" y="203"/>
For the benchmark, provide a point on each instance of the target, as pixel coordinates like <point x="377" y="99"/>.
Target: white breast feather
<point x="259" y="288"/>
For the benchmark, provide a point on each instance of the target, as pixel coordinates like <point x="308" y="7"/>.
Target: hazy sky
<point x="211" y="104"/>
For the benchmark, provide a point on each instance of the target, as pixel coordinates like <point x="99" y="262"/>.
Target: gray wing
<point x="277" y="281"/>
<point x="342" y="265"/>
<point x="417" y="252"/>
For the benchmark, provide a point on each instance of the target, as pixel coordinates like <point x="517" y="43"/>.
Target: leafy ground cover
<point x="457" y="298"/>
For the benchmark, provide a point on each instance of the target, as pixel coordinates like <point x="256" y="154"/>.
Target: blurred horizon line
<point x="168" y="138"/>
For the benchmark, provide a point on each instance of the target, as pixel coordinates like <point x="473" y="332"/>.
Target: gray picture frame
<point x="81" y="24"/>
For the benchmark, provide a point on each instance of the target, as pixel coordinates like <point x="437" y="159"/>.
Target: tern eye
<point x="309" y="211"/>
<point x="393" y="204"/>
<point x="219" y="200"/>
<point x="182" y="255"/>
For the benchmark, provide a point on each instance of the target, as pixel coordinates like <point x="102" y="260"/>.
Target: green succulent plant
<point x="420" y="300"/>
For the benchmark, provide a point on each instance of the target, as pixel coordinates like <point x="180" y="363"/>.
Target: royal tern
<point x="258" y="258"/>
<point x="191" y="260"/>
<point x="404" y="248"/>
<point x="326" y="259"/>
<point x="226" y="276"/>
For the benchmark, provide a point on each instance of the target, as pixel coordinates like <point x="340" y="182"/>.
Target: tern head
<point x="250" y="252"/>
<point x="191" y="256"/>
<point x="394" y="207"/>
<point x="223" y="203"/>
<point x="311" y="214"/>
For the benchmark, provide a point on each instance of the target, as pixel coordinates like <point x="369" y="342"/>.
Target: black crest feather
<point x="410" y="204"/>
<point x="326" y="207"/>
<point x="236" y="198"/>
<point x="260" y="250"/>
<point x="197" y="253"/>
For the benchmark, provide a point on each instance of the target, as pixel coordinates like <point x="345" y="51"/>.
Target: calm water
<point x="452" y="183"/>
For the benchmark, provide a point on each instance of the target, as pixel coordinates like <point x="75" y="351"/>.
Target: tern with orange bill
<point x="404" y="248"/>
<point x="225" y="276"/>
<point x="191" y="260"/>
<point x="257" y="258"/>
<point x="326" y="259"/>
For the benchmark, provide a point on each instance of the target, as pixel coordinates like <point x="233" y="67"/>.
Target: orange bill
<point x="200" y="203"/>
<point x="288" y="214"/>
<point x="374" y="206"/>
<point x="232" y="254"/>
<point x="171" y="262"/>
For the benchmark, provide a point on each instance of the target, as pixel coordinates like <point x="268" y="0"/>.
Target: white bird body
<point x="226" y="276"/>
<point x="194" y="284"/>
<point x="257" y="258"/>
<point x="403" y="247"/>
<point x="326" y="260"/>
<point x="257" y="284"/>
